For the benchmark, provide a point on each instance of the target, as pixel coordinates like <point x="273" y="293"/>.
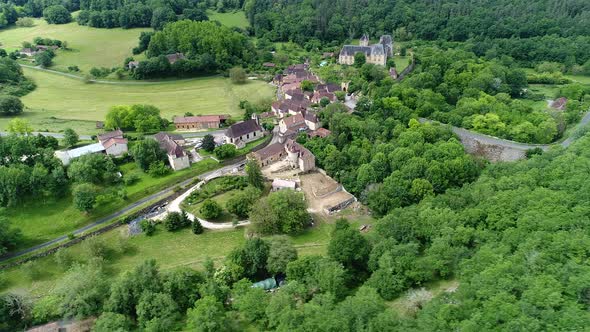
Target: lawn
<point x="58" y="99"/>
<point x="221" y="199"/>
<point x="401" y="62"/>
<point x="232" y="19"/>
<point x="170" y="249"/>
<point x="90" y="47"/>
<point x="44" y="220"/>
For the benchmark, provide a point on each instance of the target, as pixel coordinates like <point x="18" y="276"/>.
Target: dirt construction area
<point x="323" y="194"/>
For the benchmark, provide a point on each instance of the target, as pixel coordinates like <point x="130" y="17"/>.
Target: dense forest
<point x="515" y="241"/>
<point x="207" y="47"/>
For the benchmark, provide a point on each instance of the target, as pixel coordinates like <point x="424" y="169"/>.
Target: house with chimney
<point x="241" y="133"/>
<point x="177" y="157"/>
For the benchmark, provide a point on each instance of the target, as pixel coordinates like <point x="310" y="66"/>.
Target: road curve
<point x="491" y="140"/>
<point x="109" y="218"/>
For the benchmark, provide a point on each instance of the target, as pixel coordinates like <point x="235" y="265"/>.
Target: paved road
<point x="44" y="133"/>
<point x="491" y="140"/>
<point x="161" y="194"/>
<point x="81" y="78"/>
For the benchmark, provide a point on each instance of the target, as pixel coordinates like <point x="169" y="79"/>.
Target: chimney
<point x="256" y="118"/>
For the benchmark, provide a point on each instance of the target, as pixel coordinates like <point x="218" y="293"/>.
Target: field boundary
<point x="95" y="81"/>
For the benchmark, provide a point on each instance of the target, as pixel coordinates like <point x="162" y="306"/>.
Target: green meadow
<point x="58" y="100"/>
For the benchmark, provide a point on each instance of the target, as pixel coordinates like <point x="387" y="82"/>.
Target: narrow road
<point x="81" y="78"/>
<point x="491" y="140"/>
<point x="45" y="133"/>
<point x="161" y="194"/>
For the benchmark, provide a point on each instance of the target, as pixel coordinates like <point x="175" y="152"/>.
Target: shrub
<point x="25" y="22"/>
<point x="148" y="227"/>
<point x="225" y="151"/>
<point x="158" y="169"/>
<point x="131" y="178"/>
<point x="175" y="221"/>
<point x="237" y="75"/>
<point x="210" y="209"/>
<point x="197" y="227"/>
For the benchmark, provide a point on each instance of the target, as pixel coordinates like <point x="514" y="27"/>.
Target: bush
<point x="197" y="227"/>
<point x="148" y="227"/>
<point x="175" y="221"/>
<point x="131" y="178"/>
<point x="10" y="105"/>
<point x="31" y="271"/>
<point x="210" y="209"/>
<point x="237" y="75"/>
<point x="24" y="22"/>
<point x="225" y="151"/>
<point x="158" y="169"/>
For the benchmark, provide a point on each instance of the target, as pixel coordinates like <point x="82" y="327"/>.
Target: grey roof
<point x="351" y="50"/>
<point x="387" y="42"/>
<point x="110" y="134"/>
<point x="269" y="151"/>
<point x="167" y="143"/>
<point x="242" y="128"/>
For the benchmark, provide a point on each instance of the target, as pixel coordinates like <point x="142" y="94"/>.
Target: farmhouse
<point x="111" y="143"/>
<point x="269" y="155"/>
<point x="199" y="122"/>
<point x="27" y="51"/>
<point x="376" y="54"/>
<point x="177" y="158"/>
<point x="243" y="132"/>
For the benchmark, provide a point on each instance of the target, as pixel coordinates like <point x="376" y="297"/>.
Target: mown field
<point x="58" y="99"/>
<point x="90" y="47"/>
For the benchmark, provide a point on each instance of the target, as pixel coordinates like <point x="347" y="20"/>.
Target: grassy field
<point x="232" y="19"/>
<point x="170" y="249"/>
<point x="222" y="201"/>
<point x="58" y="100"/>
<point x="44" y="220"/>
<point x="90" y="47"/>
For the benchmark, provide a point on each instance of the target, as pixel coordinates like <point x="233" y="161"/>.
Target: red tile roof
<point x="115" y="140"/>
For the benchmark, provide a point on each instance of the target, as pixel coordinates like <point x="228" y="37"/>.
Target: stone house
<point x="299" y="157"/>
<point x="199" y="122"/>
<point x="177" y="157"/>
<point x="269" y="155"/>
<point x="241" y="133"/>
<point x="115" y="146"/>
<point x="111" y="143"/>
<point x="376" y="54"/>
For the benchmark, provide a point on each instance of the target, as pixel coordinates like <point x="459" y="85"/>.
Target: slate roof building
<point x="177" y="157"/>
<point x="376" y="54"/>
<point x="243" y="132"/>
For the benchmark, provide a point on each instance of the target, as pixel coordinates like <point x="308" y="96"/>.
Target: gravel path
<point x="163" y="193"/>
<point x="174" y="206"/>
